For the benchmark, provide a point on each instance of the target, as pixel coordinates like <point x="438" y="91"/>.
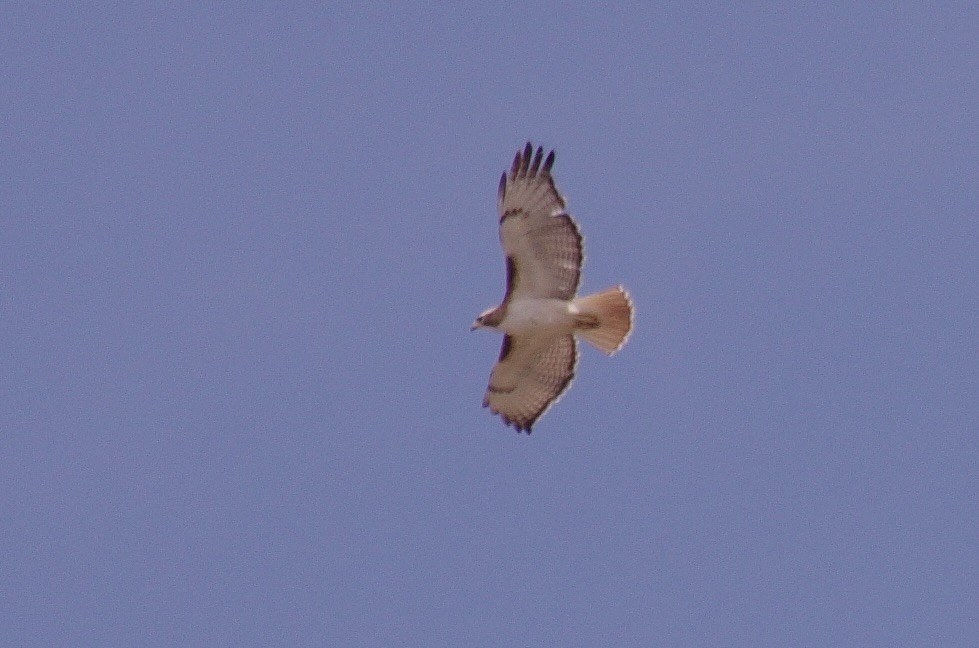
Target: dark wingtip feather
<point x="515" y="168"/>
<point x="527" y="162"/>
<point x="516" y="425"/>
<point x="537" y="158"/>
<point x="525" y="159"/>
<point x="548" y="163"/>
<point x="502" y="190"/>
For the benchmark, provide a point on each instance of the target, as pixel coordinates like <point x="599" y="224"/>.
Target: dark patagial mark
<point x="505" y="349"/>
<point x="511" y="278"/>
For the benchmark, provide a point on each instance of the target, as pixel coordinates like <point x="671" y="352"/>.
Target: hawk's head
<point x="489" y="318"/>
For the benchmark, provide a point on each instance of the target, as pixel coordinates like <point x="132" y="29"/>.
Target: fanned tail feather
<point x="606" y="319"/>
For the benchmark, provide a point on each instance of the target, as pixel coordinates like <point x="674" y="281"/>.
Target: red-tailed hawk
<point x="541" y="314"/>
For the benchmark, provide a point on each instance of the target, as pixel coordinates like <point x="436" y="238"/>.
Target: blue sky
<point x="241" y="247"/>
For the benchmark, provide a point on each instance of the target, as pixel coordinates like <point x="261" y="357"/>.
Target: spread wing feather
<point x="541" y="241"/>
<point x="530" y="376"/>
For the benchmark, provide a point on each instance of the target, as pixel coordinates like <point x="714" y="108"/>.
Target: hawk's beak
<point x="475" y="326"/>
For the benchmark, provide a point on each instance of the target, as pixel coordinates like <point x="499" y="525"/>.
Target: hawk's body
<point x="540" y="313"/>
<point x="536" y="316"/>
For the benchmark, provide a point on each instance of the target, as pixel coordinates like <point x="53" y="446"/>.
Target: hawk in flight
<point x="541" y="313"/>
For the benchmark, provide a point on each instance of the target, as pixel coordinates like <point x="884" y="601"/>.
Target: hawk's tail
<point x="605" y="319"/>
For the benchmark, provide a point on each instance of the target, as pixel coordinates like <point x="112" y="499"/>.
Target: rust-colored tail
<point x="606" y="319"/>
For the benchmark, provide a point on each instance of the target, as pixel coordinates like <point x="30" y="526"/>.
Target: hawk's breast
<point x="538" y="316"/>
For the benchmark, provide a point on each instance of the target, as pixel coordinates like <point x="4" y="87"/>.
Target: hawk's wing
<point x="540" y="239"/>
<point x="531" y="374"/>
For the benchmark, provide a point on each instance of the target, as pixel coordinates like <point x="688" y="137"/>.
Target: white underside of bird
<point x="540" y="317"/>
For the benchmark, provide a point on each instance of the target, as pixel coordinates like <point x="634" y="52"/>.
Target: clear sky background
<point x="242" y="244"/>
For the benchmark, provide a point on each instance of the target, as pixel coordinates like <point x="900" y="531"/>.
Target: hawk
<point x="541" y="313"/>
